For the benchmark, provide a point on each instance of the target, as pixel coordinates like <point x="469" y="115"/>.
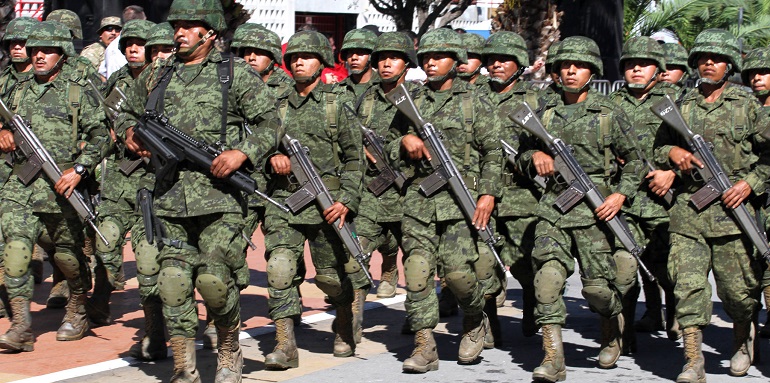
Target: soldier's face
<point x="188" y="33"/>
<point x="712" y="66"/>
<point x="574" y="74"/>
<point x="639" y="71"/>
<point x="162" y="51"/>
<point x="501" y="67"/>
<point x="258" y="59"/>
<point x="304" y="64"/>
<point x="357" y="60"/>
<point x="437" y="64"/>
<point x="109" y="33"/>
<point x="759" y="79"/>
<point x="134" y="50"/>
<point x="474" y="62"/>
<point x="45" y="59"/>
<point x="17" y="49"/>
<point x="672" y="75"/>
<point x="390" y="64"/>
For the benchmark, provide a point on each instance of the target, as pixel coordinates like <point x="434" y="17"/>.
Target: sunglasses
<point x="111" y="28"/>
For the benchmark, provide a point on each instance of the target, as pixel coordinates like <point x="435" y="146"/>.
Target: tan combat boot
<point x="743" y="346"/>
<point x="359" y="299"/>
<point x="229" y="356"/>
<point x="475" y="328"/>
<point x="344" y="342"/>
<point x="424" y="357"/>
<point x="765" y="332"/>
<point x="552" y="368"/>
<point x="184" y="360"/>
<point x="153" y="344"/>
<point x="285" y="353"/>
<point x="75" y="323"/>
<point x="389" y="278"/>
<point x="19" y="337"/>
<point x="210" y="333"/>
<point x="694" y="371"/>
<point x="60" y="290"/>
<point x="612" y="341"/>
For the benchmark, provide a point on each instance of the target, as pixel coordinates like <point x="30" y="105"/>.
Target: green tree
<point x="428" y="12"/>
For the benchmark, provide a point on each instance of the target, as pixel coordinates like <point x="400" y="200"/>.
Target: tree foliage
<point x="429" y="12"/>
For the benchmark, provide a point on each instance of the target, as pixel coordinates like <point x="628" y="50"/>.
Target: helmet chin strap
<point x="309" y="79"/>
<point x="569" y="89"/>
<point x="192" y="49"/>
<point x="394" y="78"/>
<point x="19" y="60"/>
<point x="268" y="68"/>
<point x="708" y="81"/>
<point x="515" y="76"/>
<point x="49" y="71"/>
<point x="644" y="86"/>
<point x="360" y="71"/>
<point x="452" y="72"/>
<point x="469" y="75"/>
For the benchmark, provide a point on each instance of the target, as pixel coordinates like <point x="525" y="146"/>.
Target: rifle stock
<point x="511" y="154"/>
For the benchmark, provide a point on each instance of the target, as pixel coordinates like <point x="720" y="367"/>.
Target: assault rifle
<point x="511" y="154"/>
<point x="714" y="177"/>
<point x="312" y="189"/>
<point x="444" y="169"/>
<point x="373" y="143"/>
<point x="39" y="159"/>
<point x="170" y="146"/>
<point x="580" y="184"/>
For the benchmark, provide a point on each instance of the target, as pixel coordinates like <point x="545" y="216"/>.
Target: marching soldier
<point x="471" y="71"/>
<point x="676" y="65"/>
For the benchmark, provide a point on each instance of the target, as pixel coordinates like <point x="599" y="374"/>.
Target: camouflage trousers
<point x="452" y="246"/>
<point x="61" y="231"/>
<point x="284" y="250"/>
<point x="653" y="233"/>
<point x="736" y="270"/>
<point x="519" y="235"/>
<point x="559" y="248"/>
<point x="147" y="262"/>
<point x="115" y="221"/>
<point x="203" y="252"/>
<point x="385" y="237"/>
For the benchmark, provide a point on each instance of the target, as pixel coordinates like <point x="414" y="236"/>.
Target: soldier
<point x="356" y="51"/>
<point x="471" y="71"/>
<point x="641" y="61"/>
<point x="109" y="29"/>
<point x="710" y="239"/>
<point x="160" y="42"/>
<point x="554" y="88"/>
<point x="118" y="191"/>
<point x="676" y="65"/>
<point x="505" y="56"/>
<point x="200" y="217"/>
<point x="591" y="125"/>
<point x="68" y="18"/>
<point x="471" y="135"/>
<point x="54" y="90"/>
<point x="312" y="114"/>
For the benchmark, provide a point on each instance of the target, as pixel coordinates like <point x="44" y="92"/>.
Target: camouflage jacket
<point x="48" y="109"/>
<point x="193" y="104"/>
<point x="481" y="167"/>
<point x="8" y="80"/>
<point x="737" y="128"/>
<point x="280" y="83"/>
<point x="582" y="131"/>
<point x="94" y="53"/>
<point x="645" y="126"/>
<point x="352" y="91"/>
<point x="307" y="121"/>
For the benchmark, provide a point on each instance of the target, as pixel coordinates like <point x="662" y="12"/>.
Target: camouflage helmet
<point x="19" y="29"/>
<point x="309" y="42"/>
<point x="443" y="40"/>
<point x="643" y="47"/>
<point x="580" y="48"/>
<point x="506" y="43"/>
<point x="717" y="41"/>
<point x="550" y="56"/>
<point x="160" y="34"/>
<point x="676" y="54"/>
<point x="207" y="11"/>
<point x="474" y="44"/>
<point x="68" y="18"/>
<point x="52" y="34"/>
<point x="135" y="29"/>
<point x="358" y="39"/>
<point x="756" y="59"/>
<point x="256" y="36"/>
<point x="396" y="42"/>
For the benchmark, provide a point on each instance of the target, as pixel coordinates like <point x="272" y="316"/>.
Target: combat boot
<point x="694" y="371"/>
<point x="359" y="299"/>
<point x="229" y="356"/>
<point x="612" y="341"/>
<point x="743" y="346"/>
<point x="651" y="321"/>
<point x="475" y="328"/>
<point x="344" y="342"/>
<point x="210" y="333"/>
<point x="494" y="337"/>
<point x="75" y="323"/>
<point x="447" y="302"/>
<point x="184" y="360"/>
<point x="60" y="290"/>
<point x="285" y="354"/>
<point x="552" y="368"/>
<point x="765" y="332"/>
<point x="424" y="358"/>
<point x="19" y="337"/>
<point x="153" y="344"/>
<point x="389" y="277"/>
<point x="98" y="304"/>
<point x="528" y="325"/>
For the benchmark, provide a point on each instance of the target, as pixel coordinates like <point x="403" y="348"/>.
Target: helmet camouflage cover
<point x="676" y="54"/>
<point x="20" y="28"/>
<point x="473" y="43"/>
<point x="396" y="42"/>
<point x="506" y="43"/>
<point x="135" y="29"/>
<point x="160" y="34"/>
<point x="643" y="47"/>
<point x="68" y="18"/>
<point x="580" y="48"/>
<point x="359" y="39"/>
<point x="207" y="11"/>
<point x="758" y="58"/>
<point x="52" y="34"/>
<point x="252" y="35"/>
<point x="309" y="42"/>
<point x="443" y="40"/>
<point x="716" y="41"/>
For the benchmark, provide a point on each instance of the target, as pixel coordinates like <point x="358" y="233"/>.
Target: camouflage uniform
<point x="710" y="239"/>
<point x="358" y="39"/>
<point x="33" y="210"/>
<point x="95" y="52"/>
<point x="474" y="45"/>
<point x="202" y="216"/>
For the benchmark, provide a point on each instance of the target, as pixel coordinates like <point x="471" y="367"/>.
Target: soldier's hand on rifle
<point x="227" y="162"/>
<point x="610" y="207"/>
<point x="67" y="183"/>
<point x="660" y="181"/>
<point x="133" y="144"/>
<point x="484" y="207"/>
<point x="369" y="156"/>
<point x="334" y="212"/>
<point x="543" y="164"/>
<point x="414" y="147"/>
<point x="683" y="159"/>
<point x="6" y="141"/>
<point x="281" y="164"/>
<point x="734" y="196"/>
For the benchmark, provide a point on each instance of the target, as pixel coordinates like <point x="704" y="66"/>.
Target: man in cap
<point x="109" y="30"/>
